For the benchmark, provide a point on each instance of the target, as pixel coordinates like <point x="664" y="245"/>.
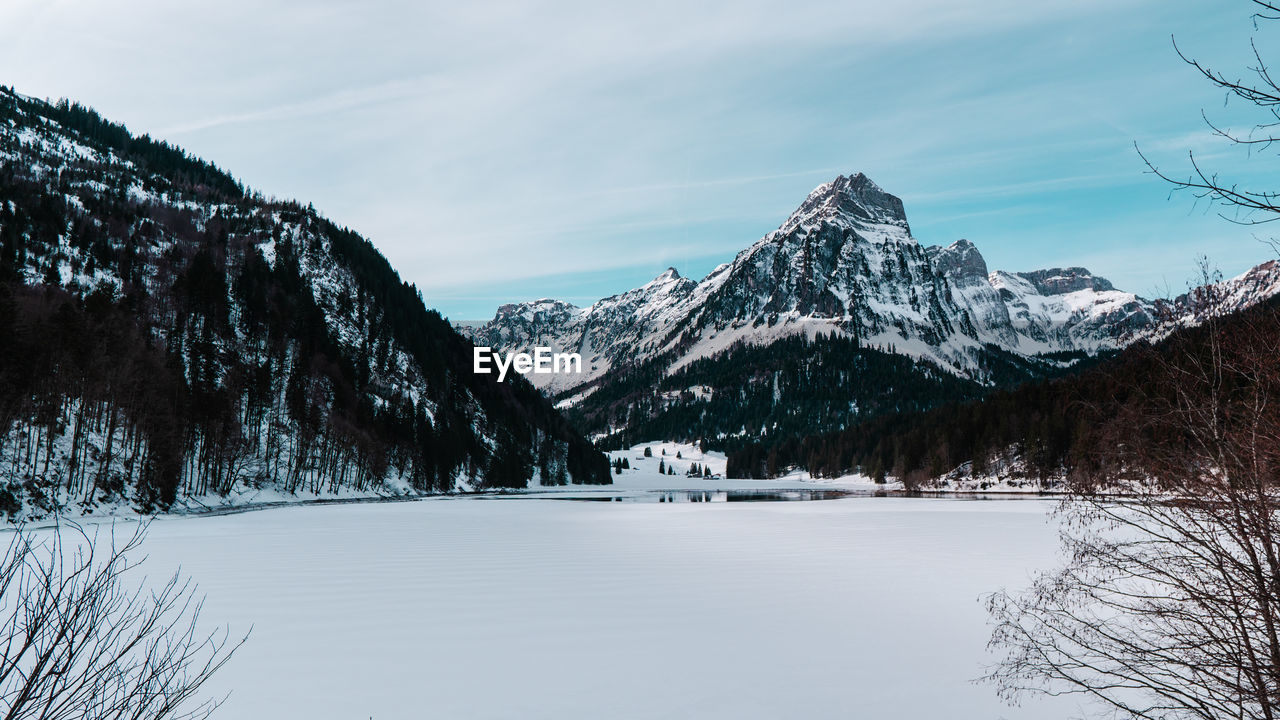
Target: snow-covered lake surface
<point x="540" y="608"/>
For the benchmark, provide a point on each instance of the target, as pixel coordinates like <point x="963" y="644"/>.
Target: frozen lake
<point x="539" y="608"/>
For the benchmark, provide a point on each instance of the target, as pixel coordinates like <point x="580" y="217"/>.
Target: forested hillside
<point x="792" y="387"/>
<point x="167" y="335"/>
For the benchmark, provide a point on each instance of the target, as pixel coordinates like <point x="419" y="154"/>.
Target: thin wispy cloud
<point x="826" y="173"/>
<point x="1034" y="187"/>
<point x="526" y="147"/>
<point x="343" y="100"/>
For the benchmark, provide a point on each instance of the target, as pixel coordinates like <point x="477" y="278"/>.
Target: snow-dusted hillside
<point x="1219" y="298"/>
<point x="166" y="335"/>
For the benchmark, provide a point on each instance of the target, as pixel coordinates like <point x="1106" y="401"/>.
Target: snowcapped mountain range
<point x="845" y="263"/>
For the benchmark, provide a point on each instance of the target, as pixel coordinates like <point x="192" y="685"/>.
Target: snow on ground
<point x="490" y="607"/>
<point x="667" y="452"/>
<point x="1004" y="476"/>
<point x="1006" y="473"/>
<point x="643" y="474"/>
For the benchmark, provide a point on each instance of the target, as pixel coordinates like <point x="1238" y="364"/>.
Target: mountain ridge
<point x="845" y="264"/>
<point x="1037" y="312"/>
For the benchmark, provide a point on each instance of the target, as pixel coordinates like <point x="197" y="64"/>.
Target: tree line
<point x="789" y="388"/>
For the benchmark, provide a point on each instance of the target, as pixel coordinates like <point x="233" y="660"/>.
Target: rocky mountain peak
<point x="1060" y="281"/>
<point x="668" y="283"/>
<point x="849" y="199"/>
<point x="960" y="261"/>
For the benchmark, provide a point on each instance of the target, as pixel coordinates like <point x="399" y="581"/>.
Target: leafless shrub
<point x="78" y="641"/>
<point x="1168" y="605"/>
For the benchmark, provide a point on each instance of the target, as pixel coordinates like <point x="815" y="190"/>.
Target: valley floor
<point x="491" y="607"/>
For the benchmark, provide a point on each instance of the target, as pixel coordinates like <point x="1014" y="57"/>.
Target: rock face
<point x="845" y="263"/>
<point x="965" y="271"/>
<point x="1065" y="310"/>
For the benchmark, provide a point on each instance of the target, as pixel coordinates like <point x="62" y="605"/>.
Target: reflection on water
<point x="697" y="496"/>
<point x="763" y="495"/>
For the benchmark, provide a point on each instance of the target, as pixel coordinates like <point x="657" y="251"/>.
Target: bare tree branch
<point x="1247" y="206"/>
<point x="1168" y="605"/>
<point x="77" y="642"/>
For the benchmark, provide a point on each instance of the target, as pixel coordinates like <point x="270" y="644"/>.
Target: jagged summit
<point x="960" y="259"/>
<point x="667" y="281"/>
<point x="854" y="198"/>
<point x="1060" y="281"/>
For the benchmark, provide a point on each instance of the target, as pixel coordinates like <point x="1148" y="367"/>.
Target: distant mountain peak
<point x="959" y="261"/>
<point x="1060" y="281"/>
<point x="668" y="282"/>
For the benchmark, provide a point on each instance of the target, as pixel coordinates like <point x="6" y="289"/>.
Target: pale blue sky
<point x="508" y="151"/>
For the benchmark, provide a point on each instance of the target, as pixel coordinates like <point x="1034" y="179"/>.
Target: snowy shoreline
<point x="641" y="478"/>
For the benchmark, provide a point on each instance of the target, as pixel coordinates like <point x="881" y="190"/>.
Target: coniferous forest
<point x="792" y="387"/>
<point x="170" y="335"/>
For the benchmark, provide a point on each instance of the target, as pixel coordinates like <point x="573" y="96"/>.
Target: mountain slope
<point x="615" y="329"/>
<point x="843" y="263"/>
<point x="169" y="336"/>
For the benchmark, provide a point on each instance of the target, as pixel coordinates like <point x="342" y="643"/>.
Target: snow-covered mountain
<point x="845" y="263"/>
<point x="1219" y="298"/>
<point x="614" y="329"/>
<point x="1045" y="311"/>
<point x="167" y="336"/>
